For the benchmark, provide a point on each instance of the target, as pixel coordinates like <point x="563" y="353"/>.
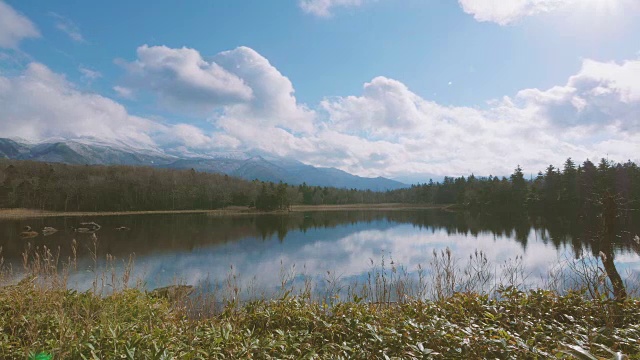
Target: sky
<point x="406" y="89"/>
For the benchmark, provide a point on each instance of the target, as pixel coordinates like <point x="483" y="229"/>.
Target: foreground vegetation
<point x="450" y="311"/>
<point x="132" y="324"/>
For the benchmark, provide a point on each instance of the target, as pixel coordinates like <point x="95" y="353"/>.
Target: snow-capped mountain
<point x="246" y="165"/>
<point x="82" y="151"/>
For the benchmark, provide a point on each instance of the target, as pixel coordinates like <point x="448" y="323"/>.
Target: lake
<point x="258" y="252"/>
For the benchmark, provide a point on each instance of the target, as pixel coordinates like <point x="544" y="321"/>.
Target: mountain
<point x="250" y="165"/>
<point x="288" y="171"/>
<point x="77" y="152"/>
<point x="10" y="149"/>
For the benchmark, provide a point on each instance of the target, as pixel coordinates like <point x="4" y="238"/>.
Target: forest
<point x="573" y="188"/>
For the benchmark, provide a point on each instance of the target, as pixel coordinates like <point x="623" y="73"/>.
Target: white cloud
<point x="187" y="139"/>
<point x="182" y="78"/>
<point x="273" y="102"/>
<point x="600" y="95"/>
<point x="385" y="107"/>
<point x="239" y="85"/>
<point x="40" y="103"/>
<point x="14" y="27"/>
<point x="68" y="27"/>
<point x="505" y="12"/>
<point x="323" y="8"/>
<point x="596" y="112"/>
<point x="387" y="130"/>
<point x="185" y="136"/>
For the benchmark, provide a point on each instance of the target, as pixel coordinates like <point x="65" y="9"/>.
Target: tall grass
<point x="449" y="308"/>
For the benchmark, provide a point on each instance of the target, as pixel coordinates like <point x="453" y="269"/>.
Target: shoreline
<point x="379" y="207"/>
<point x="22" y="213"/>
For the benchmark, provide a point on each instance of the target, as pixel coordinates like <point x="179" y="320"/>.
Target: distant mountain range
<point x="248" y="166"/>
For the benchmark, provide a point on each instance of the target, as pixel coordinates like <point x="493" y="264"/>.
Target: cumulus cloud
<point x="38" y="104"/>
<point x="385" y="107"/>
<point x="239" y="85"/>
<point x="601" y="95"/>
<point x="389" y="130"/>
<point x="182" y="78"/>
<point x="535" y="127"/>
<point x="273" y="102"/>
<point x="322" y="8"/>
<point x="41" y="104"/>
<point x="386" y="130"/>
<point x="14" y="27"/>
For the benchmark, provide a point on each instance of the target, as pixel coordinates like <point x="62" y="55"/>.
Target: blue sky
<point x="398" y="88"/>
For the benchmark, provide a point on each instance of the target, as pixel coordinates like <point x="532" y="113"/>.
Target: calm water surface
<point x="194" y="249"/>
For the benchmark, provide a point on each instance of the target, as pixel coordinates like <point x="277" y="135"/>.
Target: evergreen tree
<point x="518" y="187"/>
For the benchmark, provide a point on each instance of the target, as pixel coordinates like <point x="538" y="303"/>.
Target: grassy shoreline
<point x="233" y="210"/>
<point x="133" y="324"/>
<point x="389" y="316"/>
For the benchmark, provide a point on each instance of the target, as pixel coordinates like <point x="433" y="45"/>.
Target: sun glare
<point x="596" y="18"/>
<point x="602" y="6"/>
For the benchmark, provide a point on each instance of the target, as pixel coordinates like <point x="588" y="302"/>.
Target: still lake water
<point x="196" y="248"/>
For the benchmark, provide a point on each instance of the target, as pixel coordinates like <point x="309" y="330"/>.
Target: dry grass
<point x="33" y="213"/>
<point x="454" y="309"/>
<point x="228" y="211"/>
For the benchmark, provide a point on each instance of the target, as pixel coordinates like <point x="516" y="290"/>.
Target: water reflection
<point x="198" y="248"/>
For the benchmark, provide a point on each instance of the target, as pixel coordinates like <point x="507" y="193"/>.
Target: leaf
<point x="578" y="352"/>
<point x="616" y="355"/>
<point x="130" y="353"/>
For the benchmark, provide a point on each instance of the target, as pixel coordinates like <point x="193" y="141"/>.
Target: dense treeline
<point x="115" y="188"/>
<point x="570" y="189"/>
<point x="62" y="187"/>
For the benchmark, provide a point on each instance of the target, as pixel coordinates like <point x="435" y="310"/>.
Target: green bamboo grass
<point x="41" y="316"/>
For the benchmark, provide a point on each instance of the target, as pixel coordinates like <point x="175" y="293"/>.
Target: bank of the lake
<point x="133" y="324"/>
<point x="21" y="213"/>
<point x="337" y="304"/>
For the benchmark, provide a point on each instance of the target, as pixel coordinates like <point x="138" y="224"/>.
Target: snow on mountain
<point x="249" y="165"/>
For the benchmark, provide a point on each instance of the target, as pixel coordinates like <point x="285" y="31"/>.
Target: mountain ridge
<point x="249" y="166"/>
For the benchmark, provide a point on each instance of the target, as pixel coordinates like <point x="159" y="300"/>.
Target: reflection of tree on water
<point x="168" y="233"/>
<point x="609" y="216"/>
<point x="269" y="225"/>
<point x="607" y="256"/>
